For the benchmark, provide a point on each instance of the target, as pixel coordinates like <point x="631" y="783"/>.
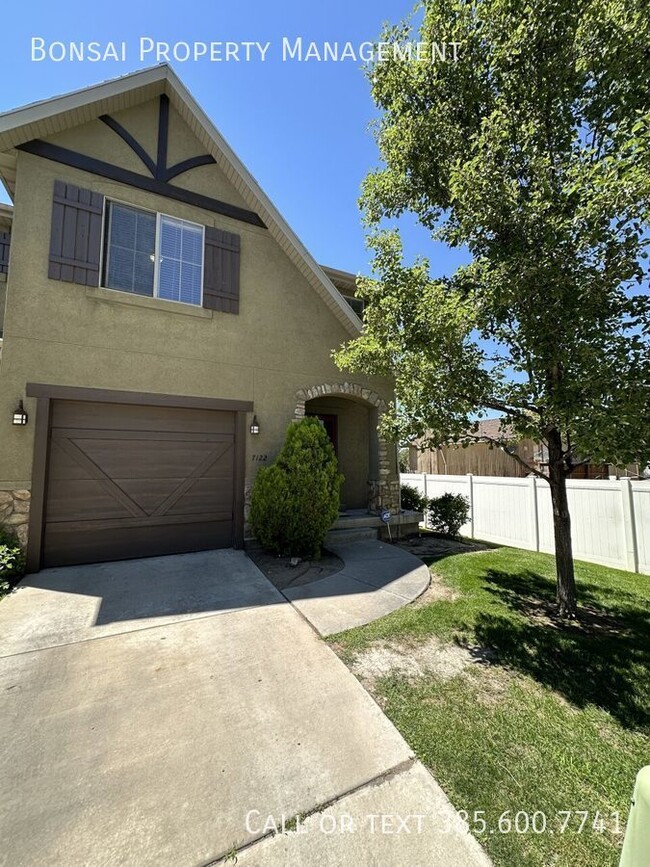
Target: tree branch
<point x="512" y="410"/>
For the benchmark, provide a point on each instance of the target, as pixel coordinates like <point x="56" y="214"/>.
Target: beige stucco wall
<point x="62" y="333"/>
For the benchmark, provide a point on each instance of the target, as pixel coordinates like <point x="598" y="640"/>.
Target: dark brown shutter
<point x="76" y="239"/>
<point x="221" y="271"/>
<point x="5" y="241"/>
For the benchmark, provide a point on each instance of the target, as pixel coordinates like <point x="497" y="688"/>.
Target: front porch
<point x="351" y="414"/>
<point x="359" y="524"/>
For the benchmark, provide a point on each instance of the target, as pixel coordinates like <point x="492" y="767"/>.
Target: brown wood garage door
<point x="136" y="481"/>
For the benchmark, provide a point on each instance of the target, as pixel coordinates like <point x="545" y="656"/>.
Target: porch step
<point x="351" y="534"/>
<point x="356" y="518"/>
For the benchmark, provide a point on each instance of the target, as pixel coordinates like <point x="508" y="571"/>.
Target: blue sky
<point x="301" y="128"/>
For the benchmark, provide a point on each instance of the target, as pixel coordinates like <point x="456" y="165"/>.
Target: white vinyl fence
<point x="610" y="520"/>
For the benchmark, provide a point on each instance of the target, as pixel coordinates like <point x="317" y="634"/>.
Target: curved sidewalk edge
<point x="376" y="579"/>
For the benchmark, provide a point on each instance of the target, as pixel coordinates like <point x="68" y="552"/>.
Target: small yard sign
<point x="386" y="516"/>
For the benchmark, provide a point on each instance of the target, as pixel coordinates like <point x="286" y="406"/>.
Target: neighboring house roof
<point x="490" y="427"/>
<point x="52" y="116"/>
<point x="493" y="428"/>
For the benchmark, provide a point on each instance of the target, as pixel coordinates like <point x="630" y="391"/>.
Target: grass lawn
<point x="557" y="718"/>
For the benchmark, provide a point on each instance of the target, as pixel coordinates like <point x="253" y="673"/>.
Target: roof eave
<point x="17" y="121"/>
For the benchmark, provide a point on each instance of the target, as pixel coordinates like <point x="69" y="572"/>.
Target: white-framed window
<point x="146" y="253"/>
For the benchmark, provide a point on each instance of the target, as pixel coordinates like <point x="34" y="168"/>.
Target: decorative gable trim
<point x="132" y="179"/>
<point x="51" y="116"/>
<point x="158" y="169"/>
<point x="135" y="146"/>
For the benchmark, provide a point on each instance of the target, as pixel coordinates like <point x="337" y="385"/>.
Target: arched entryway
<point x="351" y="429"/>
<point x="351" y="414"/>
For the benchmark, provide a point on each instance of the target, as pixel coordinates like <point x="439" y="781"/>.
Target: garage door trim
<point x="45" y="394"/>
<point x="105" y="395"/>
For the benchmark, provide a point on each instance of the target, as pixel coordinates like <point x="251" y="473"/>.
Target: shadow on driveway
<point x="75" y="603"/>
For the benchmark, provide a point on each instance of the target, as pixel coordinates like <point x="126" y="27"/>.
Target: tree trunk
<point x="566" y="585"/>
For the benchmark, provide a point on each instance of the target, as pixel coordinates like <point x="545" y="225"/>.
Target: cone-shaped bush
<point x="296" y="500"/>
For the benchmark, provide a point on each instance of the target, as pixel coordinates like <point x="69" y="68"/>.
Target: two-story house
<point x="162" y="327"/>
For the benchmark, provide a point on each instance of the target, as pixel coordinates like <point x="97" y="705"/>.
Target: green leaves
<point x="295" y="501"/>
<point x="532" y="152"/>
<point x="13" y="559"/>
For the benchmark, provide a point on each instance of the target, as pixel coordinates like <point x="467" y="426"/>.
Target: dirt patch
<point x="283" y="575"/>
<point x="437" y="591"/>
<point x="432" y="656"/>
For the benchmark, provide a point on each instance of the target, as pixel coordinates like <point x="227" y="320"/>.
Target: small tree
<point x="296" y="500"/>
<point x="532" y="153"/>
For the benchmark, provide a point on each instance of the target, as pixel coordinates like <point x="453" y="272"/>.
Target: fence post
<point x="535" y="512"/>
<point x="424" y="486"/>
<point x="629" y="527"/>
<point x="470" y="486"/>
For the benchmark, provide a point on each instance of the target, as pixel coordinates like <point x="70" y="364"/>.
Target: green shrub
<point x="296" y="500"/>
<point x="268" y="514"/>
<point x="412" y="499"/>
<point x="447" y="514"/>
<point x="12" y="560"/>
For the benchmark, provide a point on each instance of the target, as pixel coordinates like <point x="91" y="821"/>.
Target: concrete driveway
<point x="160" y="711"/>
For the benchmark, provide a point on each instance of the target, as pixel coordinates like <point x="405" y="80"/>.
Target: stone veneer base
<point x="14" y="512"/>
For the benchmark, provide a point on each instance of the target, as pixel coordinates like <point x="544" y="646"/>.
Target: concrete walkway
<point x="174" y="710"/>
<point x="377" y="579"/>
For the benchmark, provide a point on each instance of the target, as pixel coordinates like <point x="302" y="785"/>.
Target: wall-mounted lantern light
<point x="20" y="416"/>
<point x="255" y="427"/>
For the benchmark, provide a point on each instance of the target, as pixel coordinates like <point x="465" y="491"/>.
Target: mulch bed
<point x="283" y="575"/>
<point x="430" y="545"/>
